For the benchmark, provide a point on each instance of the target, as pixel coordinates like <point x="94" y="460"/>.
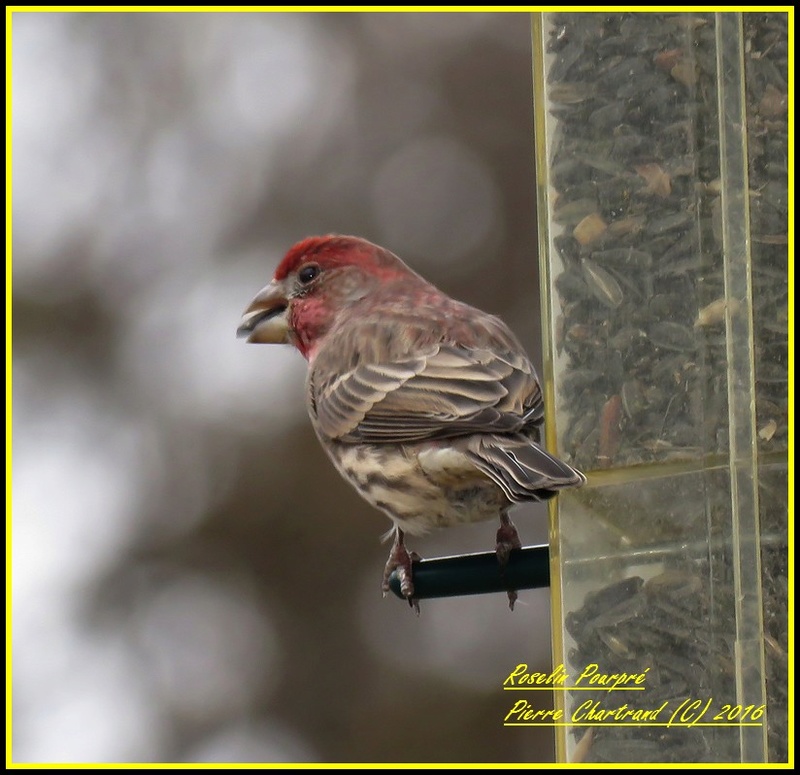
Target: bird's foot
<point x="400" y="560"/>
<point x="507" y="540"/>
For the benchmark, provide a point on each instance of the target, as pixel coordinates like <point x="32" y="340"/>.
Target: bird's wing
<point x="522" y="469"/>
<point x="429" y="389"/>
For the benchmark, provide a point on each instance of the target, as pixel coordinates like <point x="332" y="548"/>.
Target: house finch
<point x="428" y="407"/>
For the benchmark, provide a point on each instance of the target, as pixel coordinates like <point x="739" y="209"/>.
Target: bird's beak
<point x="266" y="321"/>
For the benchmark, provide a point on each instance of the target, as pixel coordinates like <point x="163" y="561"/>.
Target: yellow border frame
<point x="11" y="10"/>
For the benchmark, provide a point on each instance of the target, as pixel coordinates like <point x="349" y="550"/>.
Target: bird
<point x="429" y="407"/>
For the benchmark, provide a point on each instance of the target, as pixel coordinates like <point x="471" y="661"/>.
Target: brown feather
<point x="418" y="381"/>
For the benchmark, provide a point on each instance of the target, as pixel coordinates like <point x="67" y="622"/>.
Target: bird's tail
<point x="522" y="468"/>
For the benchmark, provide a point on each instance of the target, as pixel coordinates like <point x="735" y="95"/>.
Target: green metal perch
<point x="478" y="574"/>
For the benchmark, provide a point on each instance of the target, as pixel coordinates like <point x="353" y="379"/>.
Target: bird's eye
<point x="308" y="273"/>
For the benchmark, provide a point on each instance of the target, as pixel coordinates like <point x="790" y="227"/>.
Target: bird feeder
<point x="662" y="158"/>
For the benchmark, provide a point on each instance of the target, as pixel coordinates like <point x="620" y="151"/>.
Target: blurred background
<point x="192" y="581"/>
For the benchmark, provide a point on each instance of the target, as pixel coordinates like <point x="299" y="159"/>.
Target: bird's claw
<point x="400" y="560"/>
<point x="507" y="540"/>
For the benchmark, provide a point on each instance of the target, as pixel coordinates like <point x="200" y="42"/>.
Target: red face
<point x="316" y="278"/>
